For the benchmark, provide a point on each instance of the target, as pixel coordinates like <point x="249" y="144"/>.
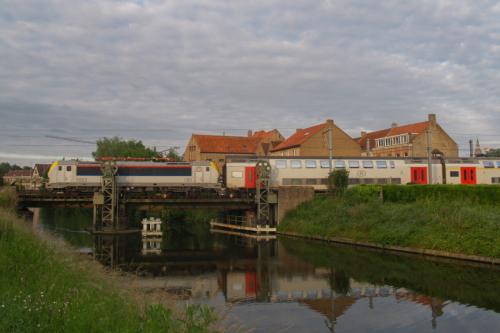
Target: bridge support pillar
<point x="106" y="201"/>
<point x="290" y="197"/>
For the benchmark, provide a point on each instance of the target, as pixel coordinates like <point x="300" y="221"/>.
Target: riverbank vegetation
<point x="453" y="218"/>
<point x="50" y="289"/>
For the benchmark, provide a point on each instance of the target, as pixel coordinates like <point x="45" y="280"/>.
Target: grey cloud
<point x="210" y="65"/>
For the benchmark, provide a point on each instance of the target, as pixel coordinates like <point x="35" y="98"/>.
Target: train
<point x="239" y="174"/>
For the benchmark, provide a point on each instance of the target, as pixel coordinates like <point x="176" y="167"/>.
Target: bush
<point x="338" y="181"/>
<point x="363" y="194"/>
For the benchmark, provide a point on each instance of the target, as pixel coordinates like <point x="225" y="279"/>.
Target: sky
<point x="160" y="70"/>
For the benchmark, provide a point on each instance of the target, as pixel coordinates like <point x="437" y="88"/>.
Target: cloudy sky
<point x="160" y="70"/>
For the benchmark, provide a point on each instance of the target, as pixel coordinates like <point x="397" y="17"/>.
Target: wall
<point x="440" y="141"/>
<point x="290" y="197"/>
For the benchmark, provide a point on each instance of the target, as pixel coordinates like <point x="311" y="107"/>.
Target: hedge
<point x="479" y="194"/>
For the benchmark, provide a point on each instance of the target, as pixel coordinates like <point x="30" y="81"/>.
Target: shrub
<point x="337" y="181"/>
<point x="363" y="194"/>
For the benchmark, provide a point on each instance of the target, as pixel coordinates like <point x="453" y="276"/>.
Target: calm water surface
<point x="290" y="285"/>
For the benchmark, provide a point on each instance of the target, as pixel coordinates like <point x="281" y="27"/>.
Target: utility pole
<point x="429" y="154"/>
<point x="330" y="147"/>
<point x="471" y="148"/>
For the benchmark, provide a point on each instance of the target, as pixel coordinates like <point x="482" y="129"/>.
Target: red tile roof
<point x="19" y="173"/>
<point x="299" y="137"/>
<point x="227" y="144"/>
<point x="264" y="134"/>
<point x="415" y="128"/>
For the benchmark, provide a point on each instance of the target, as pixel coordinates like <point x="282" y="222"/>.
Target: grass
<point x="50" y="289"/>
<point x="431" y="223"/>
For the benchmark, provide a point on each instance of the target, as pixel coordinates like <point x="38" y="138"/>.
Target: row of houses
<point x="27" y="178"/>
<point x="410" y="140"/>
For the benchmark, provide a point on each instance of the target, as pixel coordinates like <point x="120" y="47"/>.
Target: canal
<point x="286" y="284"/>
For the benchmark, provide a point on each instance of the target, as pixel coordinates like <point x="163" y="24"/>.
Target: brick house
<point x="18" y="177"/>
<point x="39" y="173"/>
<point x="216" y="147"/>
<point x="313" y="141"/>
<point x="408" y="140"/>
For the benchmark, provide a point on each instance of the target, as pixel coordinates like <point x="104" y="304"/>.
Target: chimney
<point x="363" y="133"/>
<point x="432" y="118"/>
<point x="329" y="122"/>
<point x="249" y="133"/>
<point x="394" y="125"/>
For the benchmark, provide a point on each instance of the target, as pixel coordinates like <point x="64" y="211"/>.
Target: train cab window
<point x="368" y="164"/>
<point x="59" y="168"/>
<point x="392" y="164"/>
<point x="324" y="164"/>
<point x="381" y="164"/>
<point x="296" y="164"/>
<point x="339" y="164"/>
<point x="353" y="164"/>
<point x="280" y="164"/>
<point x="488" y="164"/>
<point x="68" y="168"/>
<point x="454" y="174"/>
<point x="310" y="164"/>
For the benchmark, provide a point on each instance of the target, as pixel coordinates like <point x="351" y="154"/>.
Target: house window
<point x="353" y="164"/>
<point x="310" y="164"/>
<point x="368" y="164"/>
<point x="381" y="164"/>
<point x="68" y="168"/>
<point x="324" y="164"/>
<point x="280" y="164"/>
<point x="296" y="164"/>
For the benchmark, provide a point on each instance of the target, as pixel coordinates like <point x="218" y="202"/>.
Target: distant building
<point x="313" y="141"/>
<point x="408" y="140"/>
<point x="216" y="147"/>
<point x="39" y="174"/>
<point x="20" y="178"/>
<point x="477" y="149"/>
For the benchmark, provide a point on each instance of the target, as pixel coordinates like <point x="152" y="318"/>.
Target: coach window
<point x="280" y="164"/>
<point x="381" y="165"/>
<point x="498" y="164"/>
<point x="68" y="168"/>
<point x="392" y="164"/>
<point x="353" y="164"/>
<point x="324" y="164"/>
<point x="59" y="168"/>
<point x="237" y="174"/>
<point x="454" y="174"/>
<point x="339" y="164"/>
<point x="368" y="164"/>
<point x="488" y="164"/>
<point x="310" y="164"/>
<point x="296" y="164"/>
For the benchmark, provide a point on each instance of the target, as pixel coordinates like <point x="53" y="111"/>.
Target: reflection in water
<point x="296" y="285"/>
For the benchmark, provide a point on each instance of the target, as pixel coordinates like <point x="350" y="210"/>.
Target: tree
<point x="173" y="155"/>
<point x="117" y="147"/>
<point x="338" y="180"/>
<point x="493" y="153"/>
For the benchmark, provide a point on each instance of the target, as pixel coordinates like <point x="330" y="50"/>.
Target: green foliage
<point x="363" y="193"/>
<point x="493" y="153"/>
<point x="117" y="147"/>
<point x="173" y="155"/>
<point x="7" y="198"/>
<point x="436" y="223"/>
<point x="46" y="289"/>
<point x="338" y="180"/>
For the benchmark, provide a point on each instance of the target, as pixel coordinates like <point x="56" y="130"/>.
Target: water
<point x="292" y="285"/>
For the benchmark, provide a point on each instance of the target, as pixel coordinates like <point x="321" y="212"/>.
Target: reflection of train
<point x="240" y="173"/>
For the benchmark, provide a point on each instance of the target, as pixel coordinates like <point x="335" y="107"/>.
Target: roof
<point x="227" y="144"/>
<point x="18" y="173"/>
<point x="264" y="134"/>
<point x="415" y="128"/>
<point x="299" y="137"/>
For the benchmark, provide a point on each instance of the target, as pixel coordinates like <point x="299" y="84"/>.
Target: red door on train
<point x="468" y="175"/>
<point x="419" y="175"/>
<point x="250" y="177"/>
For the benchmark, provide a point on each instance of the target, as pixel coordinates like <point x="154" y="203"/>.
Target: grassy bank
<point x="49" y="289"/>
<point x="411" y="217"/>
